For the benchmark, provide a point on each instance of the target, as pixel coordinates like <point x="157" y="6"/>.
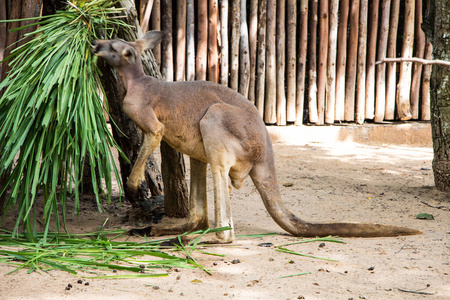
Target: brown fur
<point x="211" y="124"/>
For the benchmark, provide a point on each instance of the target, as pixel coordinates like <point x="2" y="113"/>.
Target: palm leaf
<point x="52" y="114"/>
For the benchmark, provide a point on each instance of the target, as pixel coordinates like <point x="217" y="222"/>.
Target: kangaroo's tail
<point x="266" y="183"/>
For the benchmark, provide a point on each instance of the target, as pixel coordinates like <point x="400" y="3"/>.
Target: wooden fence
<point x="301" y="61"/>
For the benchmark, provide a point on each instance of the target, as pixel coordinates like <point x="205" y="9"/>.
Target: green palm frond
<point x="52" y="114"/>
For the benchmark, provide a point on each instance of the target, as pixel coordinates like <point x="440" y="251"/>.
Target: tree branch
<point x="414" y="59"/>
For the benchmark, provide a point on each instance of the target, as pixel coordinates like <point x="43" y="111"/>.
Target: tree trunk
<point x="301" y="62"/>
<point x="312" y="63"/>
<point x="439" y="22"/>
<point x="261" y="64"/>
<point x="341" y="60"/>
<point x="331" y="63"/>
<point x="128" y="138"/>
<point x="404" y="81"/>
<point x="391" y="73"/>
<point x="176" y="203"/>
<point x="380" y="94"/>
<point x="280" y="62"/>
<point x="356" y="56"/>
<point x="361" y="72"/>
<point x="291" y="45"/>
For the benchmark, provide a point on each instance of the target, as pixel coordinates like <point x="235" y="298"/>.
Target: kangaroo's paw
<point x="146" y="231"/>
<point x="138" y="193"/>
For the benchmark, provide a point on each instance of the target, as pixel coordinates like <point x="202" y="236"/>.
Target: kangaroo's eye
<point x="112" y="48"/>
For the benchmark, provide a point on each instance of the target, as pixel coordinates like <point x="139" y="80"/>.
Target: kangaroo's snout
<point x="94" y="46"/>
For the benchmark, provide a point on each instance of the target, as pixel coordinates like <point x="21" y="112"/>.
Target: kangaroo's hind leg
<point x="223" y="137"/>
<point x="198" y="211"/>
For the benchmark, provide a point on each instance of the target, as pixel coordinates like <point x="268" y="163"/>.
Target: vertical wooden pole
<point x="291" y="53"/>
<point x="213" y="55"/>
<point x="252" y="34"/>
<point x="156" y="25"/>
<point x="142" y="6"/>
<point x="341" y="60"/>
<point x="371" y="55"/>
<point x="380" y="83"/>
<point x="417" y="69"/>
<point x="190" y="40"/>
<point x="166" y="45"/>
<point x="404" y="82"/>
<point x="323" y="58"/>
<point x="180" y="70"/>
<point x="391" y="68"/>
<point x="146" y="11"/>
<point x="425" y="109"/>
<point x="202" y="39"/>
<point x="331" y="63"/>
<point x="235" y="37"/>
<point x="301" y="61"/>
<point x="354" y="58"/>
<point x="361" y="72"/>
<point x="281" y="61"/>
<point x="244" y="58"/>
<point x="271" y="88"/>
<point x="224" y="59"/>
<point x="261" y="63"/>
<point x="312" y="63"/>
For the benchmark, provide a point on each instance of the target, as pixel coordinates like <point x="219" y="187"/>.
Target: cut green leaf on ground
<point x="97" y="254"/>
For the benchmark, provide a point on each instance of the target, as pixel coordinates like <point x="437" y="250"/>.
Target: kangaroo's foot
<point x="138" y="193"/>
<point x="171" y="226"/>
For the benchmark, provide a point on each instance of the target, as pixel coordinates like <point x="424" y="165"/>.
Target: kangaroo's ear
<point x="129" y="53"/>
<point x="150" y="40"/>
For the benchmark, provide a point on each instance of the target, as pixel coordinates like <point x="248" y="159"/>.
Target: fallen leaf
<point x="196" y="281"/>
<point x="425" y="216"/>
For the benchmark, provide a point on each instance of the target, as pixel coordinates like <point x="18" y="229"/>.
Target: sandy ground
<point x="320" y="182"/>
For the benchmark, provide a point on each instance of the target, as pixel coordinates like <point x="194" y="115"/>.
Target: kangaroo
<point x="214" y="125"/>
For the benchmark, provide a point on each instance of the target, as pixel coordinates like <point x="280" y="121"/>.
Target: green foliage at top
<point x="52" y="115"/>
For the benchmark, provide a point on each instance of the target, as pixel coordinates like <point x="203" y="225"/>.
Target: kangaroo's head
<point x="119" y="53"/>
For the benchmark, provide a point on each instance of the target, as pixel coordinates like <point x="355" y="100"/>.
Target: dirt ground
<point x="319" y="182"/>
